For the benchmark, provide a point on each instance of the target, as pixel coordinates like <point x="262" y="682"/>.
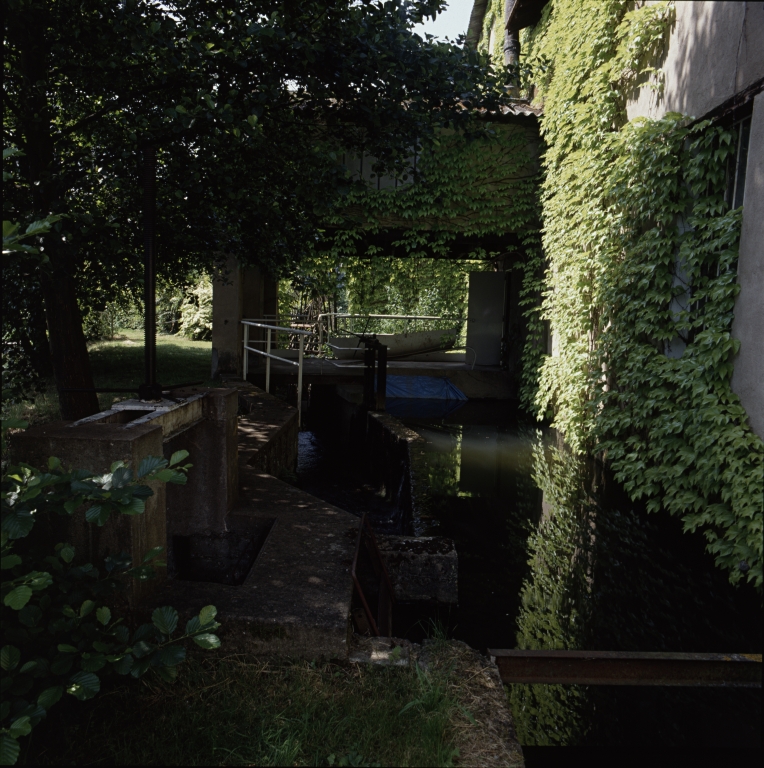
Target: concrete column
<point x="748" y="323"/>
<point x="226" y="319"/>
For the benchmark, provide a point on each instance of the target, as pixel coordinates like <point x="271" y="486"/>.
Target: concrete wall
<point x="715" y="51"/>
<point x="748" y="323"/>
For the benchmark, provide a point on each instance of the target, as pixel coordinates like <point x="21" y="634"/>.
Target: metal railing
<point x="345" y="315"/>
<point x="268" y="356"/>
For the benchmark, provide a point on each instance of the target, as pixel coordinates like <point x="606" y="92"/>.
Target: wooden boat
<point x="398" y="344"/>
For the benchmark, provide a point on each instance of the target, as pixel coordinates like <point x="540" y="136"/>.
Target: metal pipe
<point x="149" y="266"/>
<point x="299" y="382"/>
<point x="245" y="362"/>
<point x="268" y="363"/>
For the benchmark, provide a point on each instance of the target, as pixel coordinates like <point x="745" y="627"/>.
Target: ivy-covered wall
<point x="475" y="186"/>
<point x="641" y="251"/>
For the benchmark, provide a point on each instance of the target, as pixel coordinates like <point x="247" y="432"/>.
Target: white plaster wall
<point x="748" y="323"/>
<point x="716" y="49"/>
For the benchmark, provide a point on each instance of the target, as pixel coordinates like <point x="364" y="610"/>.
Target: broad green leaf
<point x="193" y="625"/>
<point x="54" y="463"/>
<point x="18" y="597"/>
<point x="9" y="750"/>
<point x="97" y="514"/>
<point x="177" y="457"/>
<point x="83" y="685"/>
<point x="66" y="553"/>
<point x="10" y="656"/>
<point x="152" y="553"/>
<point x="9" y="561"/>
<point x="50" y="696"/>
<point x="207" y="641"/>
<point x="20" y="727"/>
<point x="172" y="655"/>
<point x="150" y="464"/>
<point x="17" y="524"/>
<point x="123" y="665"/>
<point x="135" y="506"/>
<point x="66" y="648"/>
<point x="103" y="614"/>
<point x="207" y="614"/>
<point x="86" y="608"/>
<point x="165" y="619"/>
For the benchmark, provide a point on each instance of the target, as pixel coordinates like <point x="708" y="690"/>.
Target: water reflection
<point x="553" y="555"/>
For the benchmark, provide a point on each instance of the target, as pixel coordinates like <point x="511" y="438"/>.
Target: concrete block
<point x="95" y="446"/>
<point x="421" y="568"/>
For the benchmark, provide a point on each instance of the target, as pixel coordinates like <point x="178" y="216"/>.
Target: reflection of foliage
<point x="604" y="575"/>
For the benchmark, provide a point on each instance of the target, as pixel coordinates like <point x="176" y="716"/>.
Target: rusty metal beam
<point x="732" y="670"/>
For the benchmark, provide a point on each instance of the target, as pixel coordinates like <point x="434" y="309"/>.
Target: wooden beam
<point x="732" y="670"/>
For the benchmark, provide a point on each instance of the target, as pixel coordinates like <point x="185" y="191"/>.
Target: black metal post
<point x="368" y="377"/>
<point x="149" y="390"/>
<point x="381" y="376"/>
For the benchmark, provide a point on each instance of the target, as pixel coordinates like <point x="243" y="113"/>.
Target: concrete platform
<point x="296" y="599"/>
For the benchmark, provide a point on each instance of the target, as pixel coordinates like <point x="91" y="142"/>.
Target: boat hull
<point x="398" y="344"/>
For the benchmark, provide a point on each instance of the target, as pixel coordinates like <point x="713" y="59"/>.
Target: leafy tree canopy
<point x="248" y="104"/>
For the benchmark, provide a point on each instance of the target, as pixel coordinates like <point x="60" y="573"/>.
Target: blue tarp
<point x="423" y="387"/>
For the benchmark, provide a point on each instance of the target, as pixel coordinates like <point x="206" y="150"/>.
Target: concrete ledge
<point x="296" y="599"/>
<point x="268" y="432"/>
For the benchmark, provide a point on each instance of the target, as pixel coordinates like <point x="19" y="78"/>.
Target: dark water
<point x="553" y="555"/>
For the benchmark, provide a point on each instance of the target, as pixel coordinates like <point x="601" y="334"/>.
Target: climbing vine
<point x="640" y="251"/>
<point x="473" y="184"/>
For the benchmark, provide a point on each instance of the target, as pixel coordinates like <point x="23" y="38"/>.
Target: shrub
<point x="196" y="311"/>
<point x="59" y="631"/>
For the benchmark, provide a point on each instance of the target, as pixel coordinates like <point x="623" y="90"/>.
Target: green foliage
<point x="641" y="253"/>
<point x="196" y="311"/>
<point x="59" y="633"/>
<point x="483" y="182"/>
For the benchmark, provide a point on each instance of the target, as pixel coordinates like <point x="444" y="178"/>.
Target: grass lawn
<point x="235" y="711"/>
<point x="120" y="363"/>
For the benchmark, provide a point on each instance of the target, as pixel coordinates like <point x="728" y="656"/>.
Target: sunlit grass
<point x="119" y="363"/>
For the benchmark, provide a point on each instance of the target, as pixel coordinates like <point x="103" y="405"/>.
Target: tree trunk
<point x="68" y="348"/>
<point x="34" y="340"/>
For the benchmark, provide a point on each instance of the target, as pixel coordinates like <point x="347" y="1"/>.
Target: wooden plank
<point x="736" y="670"/>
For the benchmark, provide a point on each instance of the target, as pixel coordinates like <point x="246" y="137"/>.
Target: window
<point x="737" y="167"/>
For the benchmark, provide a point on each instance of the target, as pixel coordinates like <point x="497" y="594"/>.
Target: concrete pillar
<point x="238" y="294"/>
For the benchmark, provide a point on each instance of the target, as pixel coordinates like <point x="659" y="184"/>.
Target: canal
<point x="553" y="555"/>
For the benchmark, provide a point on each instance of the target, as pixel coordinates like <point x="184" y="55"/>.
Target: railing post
<point x="299" y="381"/>
<point x="245" y="361"/>
<point x="381" y="376"/>
<point x="368" y="378"/>
<point x="268" y="362"/>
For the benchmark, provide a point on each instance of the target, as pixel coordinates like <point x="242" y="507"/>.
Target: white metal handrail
<point x="267" y="355"/>
<point x="344" y="315"/>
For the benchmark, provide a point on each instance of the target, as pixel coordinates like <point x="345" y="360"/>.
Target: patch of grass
<point x="235" y="711"/>
<point x="119" y="363"/>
